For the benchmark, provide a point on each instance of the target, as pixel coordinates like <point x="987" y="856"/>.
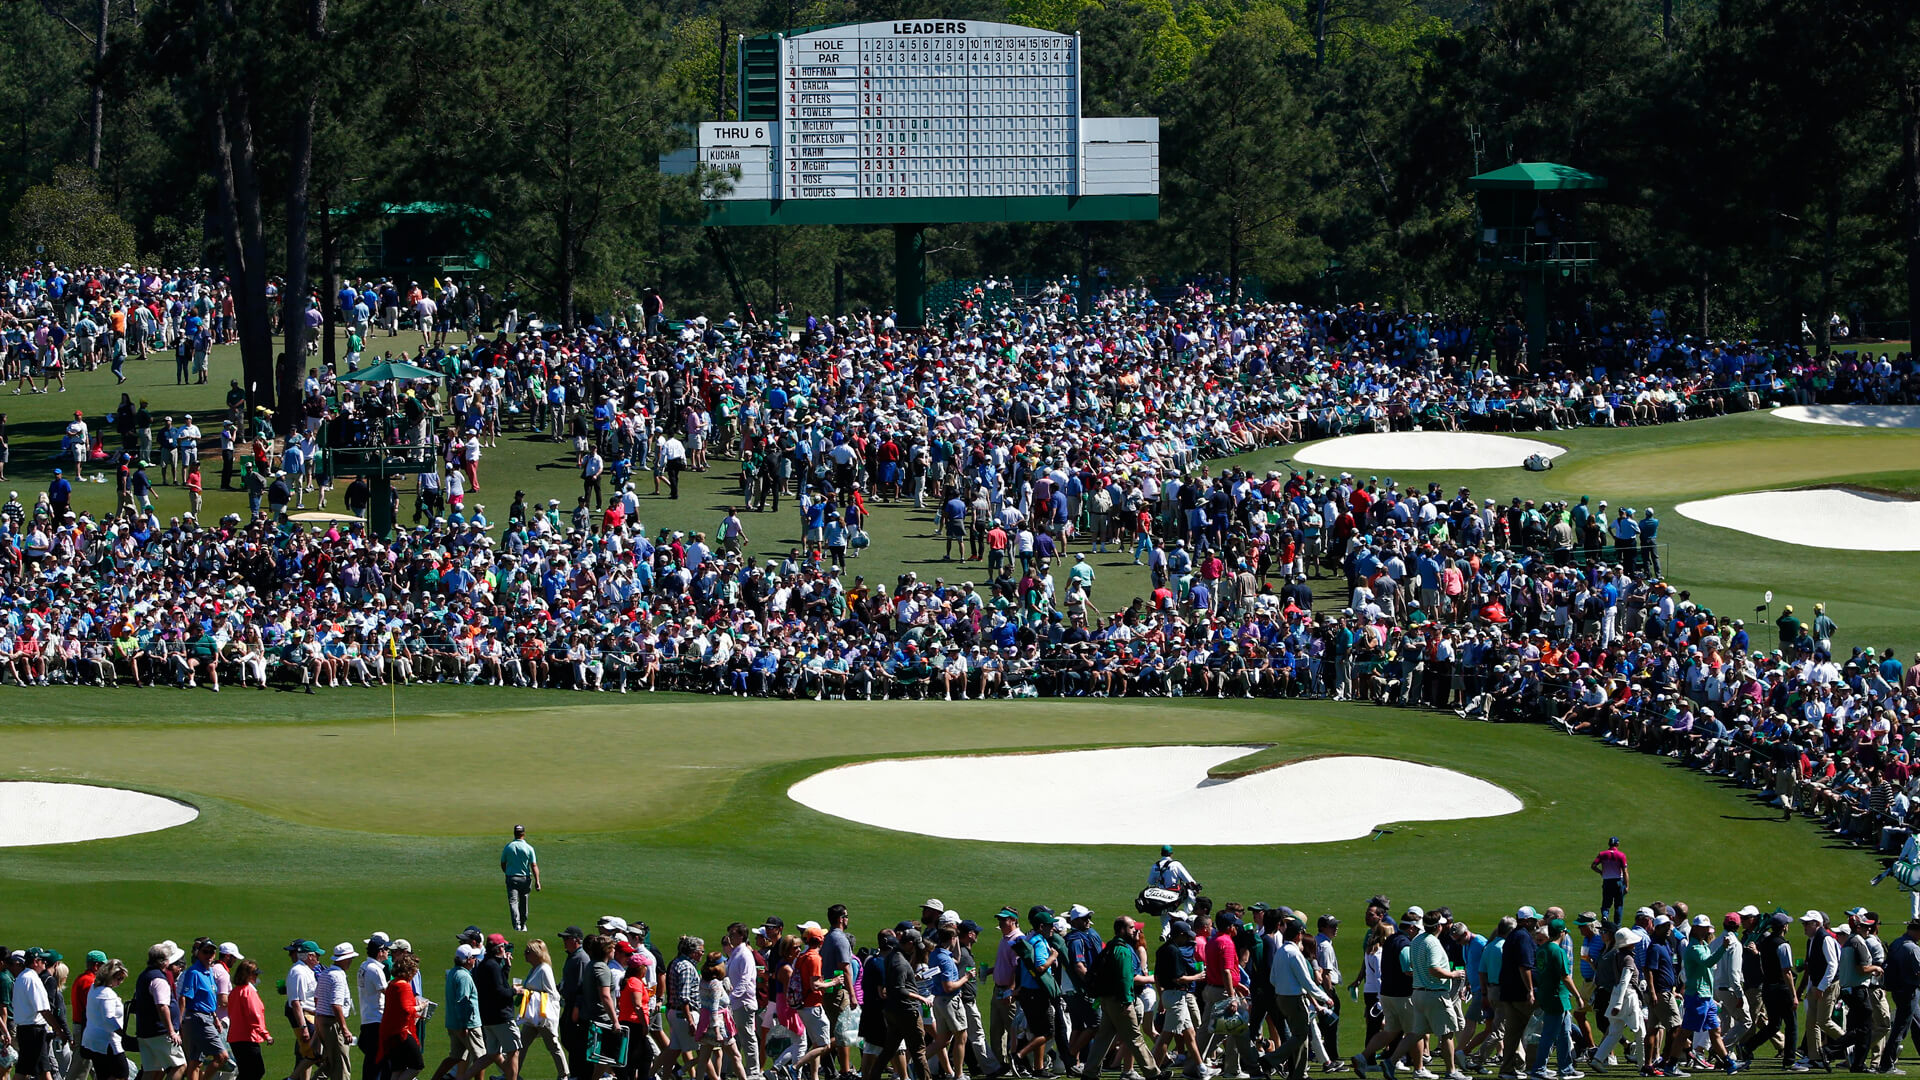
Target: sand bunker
<point x="1425" y="450"/>
<point x="1839" y="518"/>
<point x="1145" y="795"/>
<point x="35" y="813"/>
<point x="1875" y="416"/>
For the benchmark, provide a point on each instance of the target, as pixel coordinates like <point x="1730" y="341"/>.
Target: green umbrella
<point x="388" y="371"/>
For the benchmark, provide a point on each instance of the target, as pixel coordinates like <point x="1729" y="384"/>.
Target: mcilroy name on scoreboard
<point x="930" y="109"/>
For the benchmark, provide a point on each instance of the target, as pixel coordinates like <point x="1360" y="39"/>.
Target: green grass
<point x="334" y="815"/>
<point x="674" y="810"/>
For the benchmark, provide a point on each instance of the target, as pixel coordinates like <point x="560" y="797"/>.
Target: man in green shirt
<point x="1119" y="984"/>
<point x="1436" y="1009"/>
<point x="1699" y="1011"/>
<point x="1556" y="995"/>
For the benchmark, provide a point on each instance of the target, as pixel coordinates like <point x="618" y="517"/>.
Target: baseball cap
<point x="577" y="933"/>
<point x="464" y="951"/>
<point x="1702" y="920"/>
<point x="497" y="939"/>
<point x="1588" y="918"/>
<point x="1854" y="913"/>
<point x="1813" y="916"/>
<point x="949" y="917"/>
<point x="1643" y="913"/>
<point x="968" y="926"/>
<point x="1749" y="912"/>
<point x="809" y="925"/>
<point x="1181" y="928"/>
<point x="1079" y="911"/>
<point x="401" y="944"/>
<point x="95" y="956"/>
<point x="1413" y="914"/>
<point x="1525" y="912"/>
<point x="1006" y="913"/>
<point x="1781" y="918"/>
<point x="378" y="940"/>
<point x="227" y="948"/>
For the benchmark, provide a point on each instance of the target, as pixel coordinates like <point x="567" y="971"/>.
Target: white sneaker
<point x="1424" y="1073"/>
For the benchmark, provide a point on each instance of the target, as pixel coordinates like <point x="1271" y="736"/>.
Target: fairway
<point x="675" y="810"/>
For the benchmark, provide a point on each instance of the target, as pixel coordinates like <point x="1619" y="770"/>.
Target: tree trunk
<point x="568" y="266"/>
<point x="293" y="292"/>
<point x="98" y="113"/>
<point x="1910" y="166"/>
<point x="238" y="196"/>
<point x="293" y="296"/>
<point x="330" y="286"/>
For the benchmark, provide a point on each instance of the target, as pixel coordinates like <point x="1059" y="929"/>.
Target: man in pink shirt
<point x="1611" y="865"/>
<point x="1222" y="959"/>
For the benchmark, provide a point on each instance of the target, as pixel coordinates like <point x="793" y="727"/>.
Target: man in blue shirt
<point x="1083" y="951"/>
<point x="522" y="869"/>
<point x="199" y="994"/>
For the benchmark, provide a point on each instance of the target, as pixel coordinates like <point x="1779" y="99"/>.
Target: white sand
<point x="1430" y="450"/>
<point x="1823" y="518"/>
<point x="36" y="813"/>
<point x="1877" y="416"/>
<point x="1145" y="795"/>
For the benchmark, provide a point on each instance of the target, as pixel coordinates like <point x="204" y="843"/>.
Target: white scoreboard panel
<point x="928" y="109"/>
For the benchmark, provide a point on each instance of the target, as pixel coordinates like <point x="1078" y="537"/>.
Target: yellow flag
<point x="436" y="285"/>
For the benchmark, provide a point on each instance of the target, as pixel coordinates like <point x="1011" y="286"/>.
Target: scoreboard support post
<point x="910" y="275"/>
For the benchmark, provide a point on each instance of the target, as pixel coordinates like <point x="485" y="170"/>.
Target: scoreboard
<point x="919" y="121"/>
<point x="940" y="109"/>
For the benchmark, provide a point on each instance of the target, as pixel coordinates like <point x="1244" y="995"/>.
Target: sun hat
<point x="344" y="951"/>
<point x="934" y="905"/>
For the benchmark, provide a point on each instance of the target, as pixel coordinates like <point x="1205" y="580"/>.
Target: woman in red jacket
<point x="400" y="1022"/>
<point x="247" y="1021"/>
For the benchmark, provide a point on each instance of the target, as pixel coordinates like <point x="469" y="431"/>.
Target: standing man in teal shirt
<point x="522" y="868"/>
<point x="1699" y="1011"/>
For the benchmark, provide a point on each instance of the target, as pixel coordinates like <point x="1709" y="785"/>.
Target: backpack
<point x="1023" y="950"/>
<point x="1103" y="975"/>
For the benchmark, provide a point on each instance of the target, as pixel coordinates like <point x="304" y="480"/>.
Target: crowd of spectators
<point x="1031" y="439"/>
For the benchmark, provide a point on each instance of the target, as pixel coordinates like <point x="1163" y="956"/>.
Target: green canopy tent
<point x="390" y="370"/>
<point x="380" y="464"/>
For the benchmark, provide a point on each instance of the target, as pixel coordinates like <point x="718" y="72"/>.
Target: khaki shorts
<point x="813" y="1024"/>
<point x="466" y="1045"/>
<point x="1180" y="1011"/>
<point x="1396" y="1013"/>
<point x="1435" y="1012"/>
<point x="501" y="1038"/>
<point x="160" y="1053"/>
<point x="1663" y="1012"/>
<point x="949" y="1016"/>
<point x="679" y="1035"/>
